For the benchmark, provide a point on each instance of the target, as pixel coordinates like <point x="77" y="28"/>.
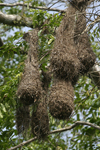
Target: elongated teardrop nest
<point x="40" y="120"/>
<point x="30" y="87"/>
<point x="22" y="118"/>
<point x="64" y="61"/>
<point x="82" y="43"/>
<point x="86" y="54"/>
<point x="61" y="99"/>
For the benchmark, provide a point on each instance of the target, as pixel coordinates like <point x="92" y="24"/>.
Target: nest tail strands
<point x="61" y="99"/>
<point x="29" y="89"/>
<point x="40" y="120"/>
<point x="22" y="118"/>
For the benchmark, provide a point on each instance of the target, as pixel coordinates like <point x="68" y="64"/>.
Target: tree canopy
<point x="82" y="129"/>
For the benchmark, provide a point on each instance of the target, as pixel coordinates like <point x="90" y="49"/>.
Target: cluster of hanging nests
<point x="71" y="57"/>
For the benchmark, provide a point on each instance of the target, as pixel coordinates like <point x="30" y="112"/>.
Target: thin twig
<point x="30" y="6"/>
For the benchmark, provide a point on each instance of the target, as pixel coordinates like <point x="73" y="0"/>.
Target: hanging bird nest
<point x="29" y="89"/>
<point x="61" y="99"/>
<point x="82" y="43"/>
<point x="86" y="54"/>
<point x="40" y="120"/>
<point x="64" y="61"/>
<point x="22" y="118"/>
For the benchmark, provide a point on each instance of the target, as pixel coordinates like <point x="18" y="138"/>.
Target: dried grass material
<point x="61" y="99"/>
<point x="64" y="61"/>
<point x="22" y="118"/>
<point x="82" y="42"/>
<point x="46" y="79"/>
<point x="40" y="120"/>
<point x="30" y="86"/>
<point x="29" y="89"/>
<point x="85" y="54"/>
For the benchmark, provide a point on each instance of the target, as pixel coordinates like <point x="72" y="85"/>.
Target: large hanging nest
<point x="22" y="118"/>
<point x="61" y="99"/>
<point x="64" y="61"/>
<point x="29" y="89"/>
<point x="40" y="120"/>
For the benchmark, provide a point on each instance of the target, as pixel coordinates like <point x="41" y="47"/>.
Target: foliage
<point x="87" y="104"/>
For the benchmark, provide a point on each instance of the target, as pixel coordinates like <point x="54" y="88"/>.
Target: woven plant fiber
<point x="61" y="99"/>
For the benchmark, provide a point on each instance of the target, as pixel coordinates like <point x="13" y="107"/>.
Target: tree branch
<point x="57" y="131"/>
<point x="30" y="6"/>
<point x="15" y="20"/>
<point x="90" y="26"/>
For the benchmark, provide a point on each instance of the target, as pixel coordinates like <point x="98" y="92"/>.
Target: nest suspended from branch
<point x="82" y="43"/>
<point x="86" y="54"/>
<point x="22" y="118"/>
<point x="64" y="61"/>
<point x="29" y="89"/>
<point x="61" y="99"/>
<point x="40" y="120"/>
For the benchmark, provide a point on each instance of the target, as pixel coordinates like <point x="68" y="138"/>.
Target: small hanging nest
<point x="22" y="118"/>
<point x="61" y="99"/>
<point x="29" y="89"/>
<point x="40" y="120"/>
<point x="86" y="55"/>
<point x="82" y="43"/>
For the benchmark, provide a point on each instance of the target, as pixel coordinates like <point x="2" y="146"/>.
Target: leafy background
<point x="87" y="97"/>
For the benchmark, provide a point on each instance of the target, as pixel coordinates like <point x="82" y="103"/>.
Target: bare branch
<point x="15" y="20"/>
<point x="30" y="6"/>
<point x="22" y="144"/>
<point x="57" y="131"/>
<point x="90" y="26"/>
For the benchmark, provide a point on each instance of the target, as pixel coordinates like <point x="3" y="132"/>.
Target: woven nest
<point x="82" y="43"/>
<point x="85" y="54"/>
<point x="40" y="121"/>
<point x="22" y="118"/>
<point x="46" y="79"/>
<point x="61" y="98"/>
<point x="29" y="89"/>
<point x="64" y="61"/>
